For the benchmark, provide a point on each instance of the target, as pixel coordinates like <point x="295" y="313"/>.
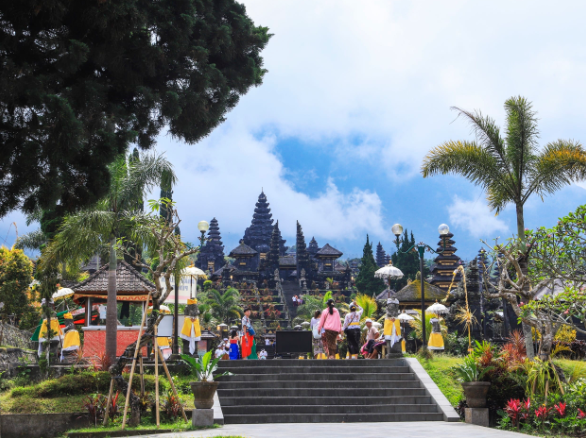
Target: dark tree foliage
<point x="365" y="280"/>
<point x="82" y="79"/>
<point x="408" y="263"/>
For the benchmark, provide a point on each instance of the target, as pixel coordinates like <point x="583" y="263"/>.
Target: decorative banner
<point x="118" y="297"/>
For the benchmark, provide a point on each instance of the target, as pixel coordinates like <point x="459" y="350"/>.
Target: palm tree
<point x="511" y="168"/>
<point x="224" y="305"/>
<point x="367" y="303"/>
<point x="82" y="234"/>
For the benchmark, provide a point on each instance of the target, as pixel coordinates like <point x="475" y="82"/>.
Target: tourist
<point x="330" y="321"/>
<point x="352" y="329"/>
<point x="234" y="353"/>
<point x="294" y="300"/>
<point x="317" y="336"/>
<point x="372" y="334"/>
<point x="263" y="354"/>
<point x="247" y="342"/>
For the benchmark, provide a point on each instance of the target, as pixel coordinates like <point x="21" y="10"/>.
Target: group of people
<point x="297" y="301"/>
<point x="328" y="331"/>
<point x="243" y="345"/>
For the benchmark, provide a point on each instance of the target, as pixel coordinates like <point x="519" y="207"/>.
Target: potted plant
<point x="205" y="387"/>
<point x="470" y="374"/>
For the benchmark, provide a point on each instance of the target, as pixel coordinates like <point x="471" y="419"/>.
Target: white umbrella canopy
<point x="62" y="293"/>
<point x="162" y="308"/>
<point x="437" y="308"/>
<point x="192" y="270"/>
<point x="404" y="317"/>
<point x="389" y="271"/>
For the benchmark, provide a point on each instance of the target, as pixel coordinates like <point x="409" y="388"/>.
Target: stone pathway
<point x="431" y="429"/>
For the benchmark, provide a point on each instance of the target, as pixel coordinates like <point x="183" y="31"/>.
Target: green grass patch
<point x="147" y="423"/>
<point x="439" y="370"/>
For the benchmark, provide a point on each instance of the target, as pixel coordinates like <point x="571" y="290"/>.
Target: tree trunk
<point x="111" y="310"/>
<point x="524" y="268"/>
<point x="546" y="342"/>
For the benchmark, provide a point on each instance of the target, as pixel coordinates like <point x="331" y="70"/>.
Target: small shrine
<point x="410" y="295"/>
<point x="132" y="289"/>
<point x="445" y="263"/>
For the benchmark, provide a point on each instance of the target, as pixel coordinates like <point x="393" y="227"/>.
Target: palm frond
<point x="522" y="135"/>
<point x="469" y="160"/>
<point x="33" y="240"/>
<point x="561" y="163"/>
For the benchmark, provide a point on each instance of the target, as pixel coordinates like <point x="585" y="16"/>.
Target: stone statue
<point x="191" y="331"/>
<point x="277" y="276"/>
<point x="392" y="330"/>
<point x="71" y="340"/>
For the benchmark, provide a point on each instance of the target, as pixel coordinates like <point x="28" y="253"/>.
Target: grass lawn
<point x="439" y="370"/>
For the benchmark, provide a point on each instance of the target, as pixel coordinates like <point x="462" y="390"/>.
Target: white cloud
<point x="223" y="175"/>
<point x="476" y="217"/>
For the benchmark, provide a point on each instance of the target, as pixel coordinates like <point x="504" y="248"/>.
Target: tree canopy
<point x="365" y="280"/>
<point x="80" y="81"/>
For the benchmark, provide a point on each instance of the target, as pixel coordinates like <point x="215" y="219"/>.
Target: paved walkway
<point x="431" y="429"/>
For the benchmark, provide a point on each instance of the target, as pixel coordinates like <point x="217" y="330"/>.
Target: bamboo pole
<point x="171" y="382"/>
<point x="136" y="349"/>
<point x="157" y="408"/>
<point x="141" y="376"/>
<point x="107" y="413"/>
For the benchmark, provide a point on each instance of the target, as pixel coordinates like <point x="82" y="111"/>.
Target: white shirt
<point x="352" y="319"/>
<point x="262" y="355"/>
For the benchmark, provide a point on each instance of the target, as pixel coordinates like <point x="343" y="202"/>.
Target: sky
<point x="355" y="96"/>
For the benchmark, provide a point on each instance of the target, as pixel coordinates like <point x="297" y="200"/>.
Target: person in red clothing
<point x="330" y="321"/>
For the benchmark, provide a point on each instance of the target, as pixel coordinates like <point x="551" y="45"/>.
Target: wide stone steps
<point x="290" y="391"/>
<point x="277" y="400"/>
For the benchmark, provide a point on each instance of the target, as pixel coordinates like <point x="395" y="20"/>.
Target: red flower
<point x="581" y="414"/>
<point x="561" y="408"/>
<point x="513" y="409"/>
<point x="541" y="413"/>
<point x="528" y="404"/>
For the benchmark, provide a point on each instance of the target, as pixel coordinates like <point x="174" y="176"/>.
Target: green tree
<point x="511" y="168"/>
<point x="365" y="280"/>
<point x="86" y="231"/>
<point x="16" y="273"/>
<point x="225" y="305"/>
<point x="82" y="80"/>
<point x="407" y="262"/>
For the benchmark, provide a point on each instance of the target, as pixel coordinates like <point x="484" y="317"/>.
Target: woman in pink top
<point x="330" y="321"/>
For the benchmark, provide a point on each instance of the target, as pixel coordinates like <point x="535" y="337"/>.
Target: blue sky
<point x="356" y="94"/>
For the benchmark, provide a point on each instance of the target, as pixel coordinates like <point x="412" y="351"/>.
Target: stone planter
<point x="475" y="393"/>
<point x="203" y="394"/>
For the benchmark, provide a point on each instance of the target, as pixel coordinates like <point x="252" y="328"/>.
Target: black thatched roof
<point x="288" y="260"/>
<point x="327" y="250"/>
<point x="242" y="249"/>
<point x="128" y="281"/>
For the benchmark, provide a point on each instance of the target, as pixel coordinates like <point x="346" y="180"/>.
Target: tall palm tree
<point x="512" y="167"/>
<point x="82" y="234"/>
<point x="224" y="305"/>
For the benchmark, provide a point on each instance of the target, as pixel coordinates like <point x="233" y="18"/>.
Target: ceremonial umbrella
<point x="389" y="271"/>
<point x="404" y="317"/>
<point x="62" y="293"/>
<point x="437" y="308"/>
<point x="162" y="309"/>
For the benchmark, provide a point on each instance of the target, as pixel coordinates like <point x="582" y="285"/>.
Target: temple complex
<point x="211" y="256"/>
<point x="445" y="263"/>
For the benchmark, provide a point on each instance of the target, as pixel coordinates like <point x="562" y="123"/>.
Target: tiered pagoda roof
<point x="212" y="253"/>
<point x="243" y="250"/>
<point x="445" y="263"/>
<point x="313" y="247"/>
<point x="258" y="234"/>
<point x="329" y="252"/>
<point x="381" y="256"/>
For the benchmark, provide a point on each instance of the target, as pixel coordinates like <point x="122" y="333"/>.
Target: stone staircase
<point x="322" y="391"/>
<point x="290" y="289"/>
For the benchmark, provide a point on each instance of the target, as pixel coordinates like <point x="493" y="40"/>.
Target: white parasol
<point x="162" y="309"/>
<point x="404" y="317"/>
<point x="192" y="271"/>
<point x="389" y="271"/>
<point x="437" y="308"/>
<point x="62" y="293"/>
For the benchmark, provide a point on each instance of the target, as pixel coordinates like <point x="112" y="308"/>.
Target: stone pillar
<point x="477" y="416"/>
<point x="202" y="417"/>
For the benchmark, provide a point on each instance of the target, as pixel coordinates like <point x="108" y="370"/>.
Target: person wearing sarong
<point x="234" y="352"/>
<point x="318" y="344"/>
<point x="247" y="342"/>
<point x="436" y="341"/>
<point x="372" y="334"/>
<point x="330" y="321"/>
<point x="352" y="329"/>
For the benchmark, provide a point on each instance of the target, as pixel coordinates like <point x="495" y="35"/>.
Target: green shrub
<point x="83" y="383"/>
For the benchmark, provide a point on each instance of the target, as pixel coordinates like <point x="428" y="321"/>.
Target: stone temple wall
<point x="13" y="337"/>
